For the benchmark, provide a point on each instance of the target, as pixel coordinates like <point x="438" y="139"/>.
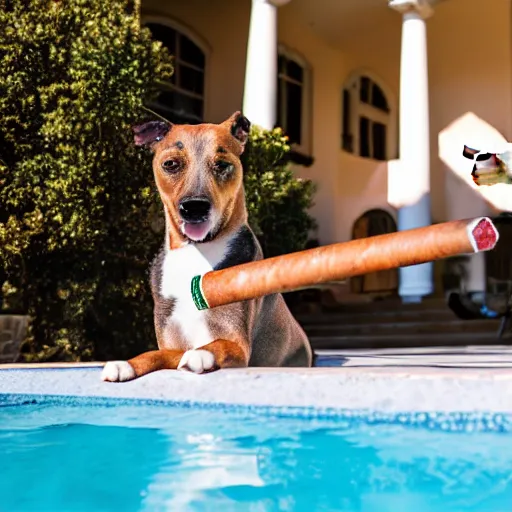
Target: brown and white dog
<point x="199" y="176"/>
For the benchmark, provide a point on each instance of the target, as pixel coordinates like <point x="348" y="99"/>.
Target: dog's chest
<point x="179" y="267"/>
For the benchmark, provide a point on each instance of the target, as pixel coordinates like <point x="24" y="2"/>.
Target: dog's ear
<point x="149" y="133"/>
<point x="239" y="127"/>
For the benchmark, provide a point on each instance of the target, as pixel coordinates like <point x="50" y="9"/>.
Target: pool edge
<point x="383" y="389"/>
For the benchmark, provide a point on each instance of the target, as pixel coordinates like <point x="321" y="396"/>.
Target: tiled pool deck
<point x="476" y="379"/>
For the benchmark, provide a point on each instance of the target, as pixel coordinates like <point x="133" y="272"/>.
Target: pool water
<point x="66" y="456"/>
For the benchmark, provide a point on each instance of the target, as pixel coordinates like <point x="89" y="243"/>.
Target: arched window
<point x="182" y="99"/>
<point x="367" y="119"/>
<point x="293" y="99"/>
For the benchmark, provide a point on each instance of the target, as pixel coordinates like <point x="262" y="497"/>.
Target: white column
<point x="416" y="281"/>
<point x="260" y="91"/>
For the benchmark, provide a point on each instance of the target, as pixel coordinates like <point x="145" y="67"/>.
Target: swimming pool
<point x="88" y="446"/>
<point x="110" y="455"/>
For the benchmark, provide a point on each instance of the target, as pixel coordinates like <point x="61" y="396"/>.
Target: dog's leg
<point x="217" y="354"/>
<point x="119" y="371"/>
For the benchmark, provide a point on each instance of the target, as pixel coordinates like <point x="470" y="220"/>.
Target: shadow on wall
<point x="362" y="187"/>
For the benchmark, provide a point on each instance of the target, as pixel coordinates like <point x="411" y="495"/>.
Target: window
<point x="293" y="112"/>
<point x="367" y="122"/>
<point x="182" y="99"/>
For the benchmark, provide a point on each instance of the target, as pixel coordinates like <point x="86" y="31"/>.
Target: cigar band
<point x="198" y="297"/>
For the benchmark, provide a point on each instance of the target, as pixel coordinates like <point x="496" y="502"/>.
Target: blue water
<point x="64" y="457"/>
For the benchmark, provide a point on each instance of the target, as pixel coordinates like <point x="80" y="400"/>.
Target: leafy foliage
<point x="77" y="199"/>
<point x="74" y="191"/>
<point x="277" y="201"/>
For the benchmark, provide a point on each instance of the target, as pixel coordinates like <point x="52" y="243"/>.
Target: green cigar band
<point x="197" y="293"/>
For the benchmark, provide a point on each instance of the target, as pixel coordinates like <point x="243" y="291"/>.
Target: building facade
<point x="378" y="99"/>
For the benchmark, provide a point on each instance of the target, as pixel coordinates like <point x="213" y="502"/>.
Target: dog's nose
<point x="194" y="209"/>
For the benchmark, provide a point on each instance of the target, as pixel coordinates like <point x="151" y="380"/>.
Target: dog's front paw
<point x="197" y="361"/>
<point x="118" y="371"/>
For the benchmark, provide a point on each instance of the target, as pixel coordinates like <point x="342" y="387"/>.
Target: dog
<point x="199" y="176"/>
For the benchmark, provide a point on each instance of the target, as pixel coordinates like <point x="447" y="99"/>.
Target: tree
<point x="277" y="201"/>
<point x="75" y="193"/>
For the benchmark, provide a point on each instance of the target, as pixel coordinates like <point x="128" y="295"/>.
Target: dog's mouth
<point x="196" y="218"/>
<point x="197" y="231"/>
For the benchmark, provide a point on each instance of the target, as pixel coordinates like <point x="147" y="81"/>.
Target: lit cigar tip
<point x="485" y="235"/>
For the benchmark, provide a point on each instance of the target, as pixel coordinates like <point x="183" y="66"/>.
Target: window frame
<point x="306" y="129"/>
<point x="358" y="109"/>
<point x="190" y="34"/>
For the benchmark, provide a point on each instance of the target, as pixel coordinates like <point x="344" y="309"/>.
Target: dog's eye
<point x="171" y="166"/>
<point x="223" y="167"/>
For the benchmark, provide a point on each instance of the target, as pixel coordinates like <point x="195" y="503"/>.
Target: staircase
<point x="391" y="324"/>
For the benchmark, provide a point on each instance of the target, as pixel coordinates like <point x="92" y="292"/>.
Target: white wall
<point x="469" y="70"/>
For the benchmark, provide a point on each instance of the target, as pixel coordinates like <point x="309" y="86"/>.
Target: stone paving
<point x="488" y="356"/>
<point x="476" y="379"/>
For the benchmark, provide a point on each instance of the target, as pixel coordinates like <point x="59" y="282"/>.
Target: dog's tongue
<point x="197" y="232"/>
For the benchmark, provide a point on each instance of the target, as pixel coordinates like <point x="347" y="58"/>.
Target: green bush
<point x="74" y="191"/>
<point x="77" y="199"/>
<point x="277" y="201"/>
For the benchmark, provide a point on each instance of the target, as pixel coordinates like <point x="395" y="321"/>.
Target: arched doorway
<point x="372" y="223"/>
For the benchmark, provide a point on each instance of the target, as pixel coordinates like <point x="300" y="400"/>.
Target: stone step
<point x="380" y="317"/>
<point x="403" y="328"/>
<point x="405" y="340"/>
<point x="494" y="350"/>
<point x="386" y="305"/>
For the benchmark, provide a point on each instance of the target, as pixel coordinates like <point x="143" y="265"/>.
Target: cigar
<point x="335" y="262"/>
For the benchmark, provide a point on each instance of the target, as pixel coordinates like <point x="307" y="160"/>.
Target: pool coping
<point x="386" y="389"/>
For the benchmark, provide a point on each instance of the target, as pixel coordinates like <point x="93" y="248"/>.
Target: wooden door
<point x="372" y="223"/>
